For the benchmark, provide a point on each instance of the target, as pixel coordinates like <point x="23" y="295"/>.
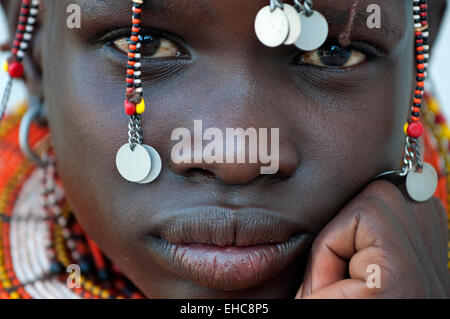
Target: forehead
<point x="213" y="8"/>
<point x="176" y="15"/>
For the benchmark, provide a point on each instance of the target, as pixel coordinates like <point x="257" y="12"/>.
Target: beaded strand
<point x="134" y="102"/>
<point x="414" y="128"/>
<point x="14" y="66"/>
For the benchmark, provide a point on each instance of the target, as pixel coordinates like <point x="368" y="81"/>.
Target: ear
<point x="32" y="60"/>
<point x="436" y="12"/>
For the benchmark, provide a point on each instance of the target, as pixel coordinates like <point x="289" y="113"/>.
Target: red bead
<point x="130" y="108"/>
<point x="415" y="129"/>
<point x="439" y="119"/>
<point x="15" y="69"/>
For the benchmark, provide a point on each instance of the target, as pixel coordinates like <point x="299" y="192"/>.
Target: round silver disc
<point x="135" y="165"/>
<point x="422" y="185"/>
<point x="272" y="28"/>
<point x="314" y="31"/>
<point x="156" y="165"/>
<point x="295" y="24"/>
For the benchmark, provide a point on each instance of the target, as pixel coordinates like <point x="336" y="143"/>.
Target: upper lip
<point x="219" y="226"/>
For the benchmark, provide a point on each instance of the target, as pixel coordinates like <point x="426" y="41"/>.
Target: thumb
<point x="325" y="266"/>
<point x="365" y="232"/>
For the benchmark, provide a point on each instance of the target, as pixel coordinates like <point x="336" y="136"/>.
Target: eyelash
<point x="164" y="39"/>
<point x="369" y="52"/>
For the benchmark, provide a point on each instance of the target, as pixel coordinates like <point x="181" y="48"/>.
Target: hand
<point x="407" y="240"/>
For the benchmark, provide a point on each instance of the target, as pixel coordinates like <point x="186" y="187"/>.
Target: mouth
<point x="227" y="249"/>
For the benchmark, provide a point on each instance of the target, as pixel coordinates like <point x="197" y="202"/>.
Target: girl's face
<point x="339" y="127"/>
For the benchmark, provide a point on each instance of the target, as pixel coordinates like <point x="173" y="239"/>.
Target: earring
<point x="135" y="161"/>
<point x="35" y="111"/>
<point x="421" y="178"/>
<point x="13" y="65"/>
<point x="315" y="27"/>
<point x="280" y="23"/>
<point x="272" y="24"/>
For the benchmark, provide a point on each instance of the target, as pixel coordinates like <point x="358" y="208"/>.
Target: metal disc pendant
<point x="295" y="24"/>
<point x="135" y="165"/>
<point x="314" y="31"/>
<point x="156" y="165"/>
<point x="422" y="185"/>
<point x="272" y="28"/>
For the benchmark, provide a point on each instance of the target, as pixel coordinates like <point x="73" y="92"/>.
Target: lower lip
<point x="231" y="267"/>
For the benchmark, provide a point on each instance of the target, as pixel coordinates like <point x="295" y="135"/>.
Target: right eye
<point x="153" y="47"/>
<point x="333" y="56"/>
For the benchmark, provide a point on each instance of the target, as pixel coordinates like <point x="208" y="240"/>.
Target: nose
<point x="234" y="161"/>
<point x="239" y="85"/>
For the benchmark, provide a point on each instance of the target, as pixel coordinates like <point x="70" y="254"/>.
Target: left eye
<point x="152" y="47"/>
<point x="333" y="56"/>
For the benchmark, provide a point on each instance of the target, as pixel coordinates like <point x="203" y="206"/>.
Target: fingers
<point x="422" y="226"/>
<point x="345" y="289"/>
<point x="365" y="232"/>
<point x="406" y="212"/>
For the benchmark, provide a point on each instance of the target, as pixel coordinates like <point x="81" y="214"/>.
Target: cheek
<point x="351" y="132"/>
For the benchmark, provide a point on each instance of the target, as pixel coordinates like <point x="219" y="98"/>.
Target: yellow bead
<point x="445" y="132"/>
<point x="96" y="290"/>
<point x="405" y="128"/>
<point x="104" y="294"/>
<point x="140" y="108"/>
<point x="433" y="106"/>
<point x="14" y="295"/>
<point x="88" y="285"/>
<point x="5" y="66"/>
<point x="6" y="284"/>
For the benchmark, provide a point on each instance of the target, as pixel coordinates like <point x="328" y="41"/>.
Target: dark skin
<point x="338" y="129"/>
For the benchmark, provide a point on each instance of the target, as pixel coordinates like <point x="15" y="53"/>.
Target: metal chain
<point x="5" y="99"/>
<point x="135" y="135"/>
<point x="276" y="4"/>
<point x="412" y="157"/>
<point x="306" y="5"/>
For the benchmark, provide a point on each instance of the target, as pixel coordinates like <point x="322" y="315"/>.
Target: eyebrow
<point x="166" y="7"/>
<point x="338" y="18"/>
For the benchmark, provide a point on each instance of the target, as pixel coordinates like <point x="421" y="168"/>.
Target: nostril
<point x="197" y="171"/>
